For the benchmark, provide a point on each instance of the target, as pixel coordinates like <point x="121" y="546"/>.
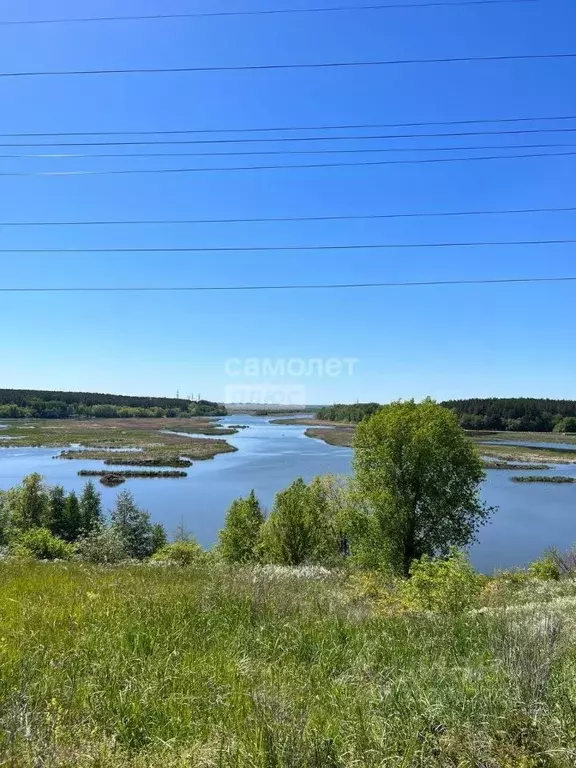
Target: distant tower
<point x="177" y="394"/>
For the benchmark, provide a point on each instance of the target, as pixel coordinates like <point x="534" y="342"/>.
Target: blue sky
<point x="442" y="341"/>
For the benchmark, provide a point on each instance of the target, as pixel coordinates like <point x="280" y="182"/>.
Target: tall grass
<point x="255" y="668"/>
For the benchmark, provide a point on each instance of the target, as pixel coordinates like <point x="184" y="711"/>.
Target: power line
<point x="303" y="65"/>
<point x="270" y="12"/>
<point x="343" y="217"/>
<point x="266" y="248"/>
<point x="369" y="150"/>
<point x="307" y="166"/>
<point x="259" y="129"/>
<point x="311" y="286"/>
<point x="283" y="139"/>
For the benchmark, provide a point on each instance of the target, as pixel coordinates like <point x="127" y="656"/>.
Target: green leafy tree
<point x="73" y="518"/>
<point x="57" y="515"/>
<point x="302" y="527"/>
<point x="30" y="503"/>
<point x="238" y="540"/>
<point x="134" y="526"/>
<point x="159" y="537"/>
<point x="102" y="545"/>
<point x="419" y="475"/>
<point x="90" y="507"/>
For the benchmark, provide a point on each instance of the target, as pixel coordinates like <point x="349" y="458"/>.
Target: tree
<point x="566" y="425"/>
<point x="73" y="518"/>
<point x="57" y="516"/>
<point x="238" y="540"/>
<point x="30" y="503"/>
<point x="419" y="474"/>
<point x="90" y="507"/>
<point x="159" y="537"/>
<point x="302" y="527"/>
<point x="134" y="527"/>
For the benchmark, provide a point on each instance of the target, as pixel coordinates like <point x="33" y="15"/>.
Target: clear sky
<point x="453" y="341"/>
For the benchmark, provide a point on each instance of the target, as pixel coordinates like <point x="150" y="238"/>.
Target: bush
<point x="40" y="544"/>
<point x="180" y="553"/>
<point x="546" y="568"/>
<point x="102" y="545"/>
<point x="447" y="585"/>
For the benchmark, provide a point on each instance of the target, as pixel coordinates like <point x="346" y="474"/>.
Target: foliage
<point x="546" y="568"/>
<point x="29" y="503"/>
<point x="180" y="553"/>
<point x="41" y="544"/>
<point x="238" y="540"/>
<point x="519" y="414"/>
<point x="73" y="518"/>
<point x="159" y="537"/>
<point x="353" y="412"/>
<point x="134" y="527"/>
<point x="5" y="517"/>
<point x="102" y="545"/>
<point x="418" y="476"/>
<point x="567" y="425"/>
<point x="448" y="585"/>
<point x="90" y="508"/>
<point x="301" y="527"/>
<point x="57" y="516"/>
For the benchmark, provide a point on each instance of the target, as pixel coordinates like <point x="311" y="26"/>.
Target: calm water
<point x="270" y="457"/>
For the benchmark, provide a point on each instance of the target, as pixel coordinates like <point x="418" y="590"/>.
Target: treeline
<point x="515" y="414"/>
<point x="354" y="412"/>
<point x="39" y="404"/>
<point x="46" y="523"/>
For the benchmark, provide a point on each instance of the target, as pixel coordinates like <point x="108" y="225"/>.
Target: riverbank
<point x="148" y="437"/>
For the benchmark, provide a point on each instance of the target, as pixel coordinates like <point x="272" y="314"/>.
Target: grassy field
<point x="145" y="666"/>
<point x="104" y="435"/>
<point x="335" y="436"/>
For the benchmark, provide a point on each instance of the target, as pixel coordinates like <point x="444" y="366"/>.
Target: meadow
<point x="102" y="436"/>
<point x="259" y="667"/>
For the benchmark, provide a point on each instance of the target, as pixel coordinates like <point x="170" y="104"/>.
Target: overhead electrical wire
<point x="266" y="248"/>
<point x="283" y="139"/>
<point x="354" y="126"/>
<point x="293" y="65"/>
<point x="307" y="166"/>
<point x="336" y="217"/>
<point x="264" y="12"/>
<point x="300" y="287"/>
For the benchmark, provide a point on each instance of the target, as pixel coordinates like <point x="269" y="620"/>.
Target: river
<point x="269" y="457"/>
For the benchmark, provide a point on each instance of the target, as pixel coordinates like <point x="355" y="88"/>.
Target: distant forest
<point x="515" y="414"/>
<point x="342" y="412"/>
<point x="39" y="404"/>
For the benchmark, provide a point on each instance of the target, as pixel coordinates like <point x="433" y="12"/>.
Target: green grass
<point x="334" y="436"/>
<point x="143" y="666"/>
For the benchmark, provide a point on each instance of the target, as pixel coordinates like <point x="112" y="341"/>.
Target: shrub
<point x="546" y="568"/>
<point x="102" y="545"/>
<point x="448" y="585"/>
<point x="302" y="527"/>
<point x="180" y="553"/>
<point x="40" y="544"/>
